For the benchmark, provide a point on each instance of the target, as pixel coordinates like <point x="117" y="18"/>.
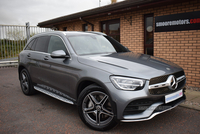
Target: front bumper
<point x="149" y="105"/>
<point x="153" y="110"/>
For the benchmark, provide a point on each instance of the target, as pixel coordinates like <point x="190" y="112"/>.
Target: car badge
<point x="173" y="82"/>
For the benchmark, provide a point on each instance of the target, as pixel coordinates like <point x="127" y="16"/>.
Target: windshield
<point x="95" y="44"/>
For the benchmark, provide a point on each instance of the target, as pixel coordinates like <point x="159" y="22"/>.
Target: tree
<point x="15" y="34"/>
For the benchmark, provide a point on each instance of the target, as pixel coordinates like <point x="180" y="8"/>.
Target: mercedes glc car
<point x="108" y="83"/>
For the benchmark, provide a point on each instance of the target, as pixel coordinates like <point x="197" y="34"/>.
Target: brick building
<point x="168" y="29"/>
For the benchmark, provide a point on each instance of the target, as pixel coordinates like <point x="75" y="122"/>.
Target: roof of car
<point x="68" y="33"/>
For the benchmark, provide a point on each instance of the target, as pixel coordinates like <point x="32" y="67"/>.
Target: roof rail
<point x="95" y="32"/>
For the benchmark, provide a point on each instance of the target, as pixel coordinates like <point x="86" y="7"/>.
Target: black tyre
<point x="95" y="109"/>
<point x="26" y="83"/>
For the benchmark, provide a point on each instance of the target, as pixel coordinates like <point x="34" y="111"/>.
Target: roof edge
<point x="119" y="6"/>
<point x="106" y="8"/>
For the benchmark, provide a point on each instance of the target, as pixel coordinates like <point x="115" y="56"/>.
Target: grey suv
<point x="106" y="81"/>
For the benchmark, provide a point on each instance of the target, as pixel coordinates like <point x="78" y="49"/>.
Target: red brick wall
<point x="180" y="47"/>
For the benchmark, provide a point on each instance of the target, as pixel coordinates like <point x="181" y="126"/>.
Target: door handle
<point x="46" y="58"/>
<point x="29" y="55"/>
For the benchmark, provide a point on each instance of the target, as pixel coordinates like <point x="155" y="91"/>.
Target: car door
<point x="60" y="73"/>
<point x="37" y="56"/>
<point x="30" y="61"/>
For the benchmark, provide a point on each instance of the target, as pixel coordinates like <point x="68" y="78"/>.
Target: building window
<point x="148" y="34"/>
<point x="64" y="28"/>
<point x="85" y="27"/>
<point x="111" y="28"/>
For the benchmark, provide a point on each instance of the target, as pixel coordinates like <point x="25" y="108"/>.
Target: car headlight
<point x="127" y="83"/>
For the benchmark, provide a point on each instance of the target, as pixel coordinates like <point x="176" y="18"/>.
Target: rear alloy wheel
<point x="26" y="83"/>
<point x="95" y="108"/>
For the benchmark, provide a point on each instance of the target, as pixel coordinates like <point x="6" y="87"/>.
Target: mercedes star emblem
<point x="173" y="82"/>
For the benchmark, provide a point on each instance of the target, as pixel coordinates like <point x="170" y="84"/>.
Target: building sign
<point x="178" y="22"/>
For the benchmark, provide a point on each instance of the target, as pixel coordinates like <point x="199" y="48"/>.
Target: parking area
<point x="43" y="114"/>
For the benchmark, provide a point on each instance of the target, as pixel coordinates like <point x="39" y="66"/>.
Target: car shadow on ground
<point x="164" y="122"/>
<point x="43" y="114"/>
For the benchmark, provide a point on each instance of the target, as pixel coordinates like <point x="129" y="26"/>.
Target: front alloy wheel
<point x="95" y="108"/>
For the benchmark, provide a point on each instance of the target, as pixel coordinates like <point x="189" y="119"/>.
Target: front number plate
<point x="173" y="96"/>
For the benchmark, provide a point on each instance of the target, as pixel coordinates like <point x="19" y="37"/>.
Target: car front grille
<point x="169" y="105"/>
<point x="164" y="78"/>
<point x="138" y="106"/>
<point x="165" y="90"/>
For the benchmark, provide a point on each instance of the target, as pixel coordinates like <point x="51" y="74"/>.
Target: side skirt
<point x="53" y="95"/>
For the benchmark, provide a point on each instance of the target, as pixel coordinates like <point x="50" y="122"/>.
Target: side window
<point x="42" y="44"/>
<point x="56" y="43"/>
<point x="30" y="45"/>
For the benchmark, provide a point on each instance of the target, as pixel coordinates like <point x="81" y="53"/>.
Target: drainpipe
<point x="87" y="23"/>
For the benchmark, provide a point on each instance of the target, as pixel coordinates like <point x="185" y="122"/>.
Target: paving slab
<point x="192" y="100"/>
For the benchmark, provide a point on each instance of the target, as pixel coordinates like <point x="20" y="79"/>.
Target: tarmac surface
<point x="42" y="114"/>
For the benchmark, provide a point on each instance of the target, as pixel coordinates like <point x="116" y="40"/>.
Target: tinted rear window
<point x="42" y="44"/>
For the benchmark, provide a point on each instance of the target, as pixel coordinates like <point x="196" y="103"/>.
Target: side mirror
<point x="59" y="54"/>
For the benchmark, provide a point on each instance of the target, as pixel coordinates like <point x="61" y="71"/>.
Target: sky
<point x="18" y="12"/>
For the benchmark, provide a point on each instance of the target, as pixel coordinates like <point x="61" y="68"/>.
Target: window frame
<point x="107" y="30"/>
<point x="64" y="28"/>
<point x="65" y="43"/>
<point x="145" y="33"/>
<point x="47" y="44"/>
<point x="84" y="27"/>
